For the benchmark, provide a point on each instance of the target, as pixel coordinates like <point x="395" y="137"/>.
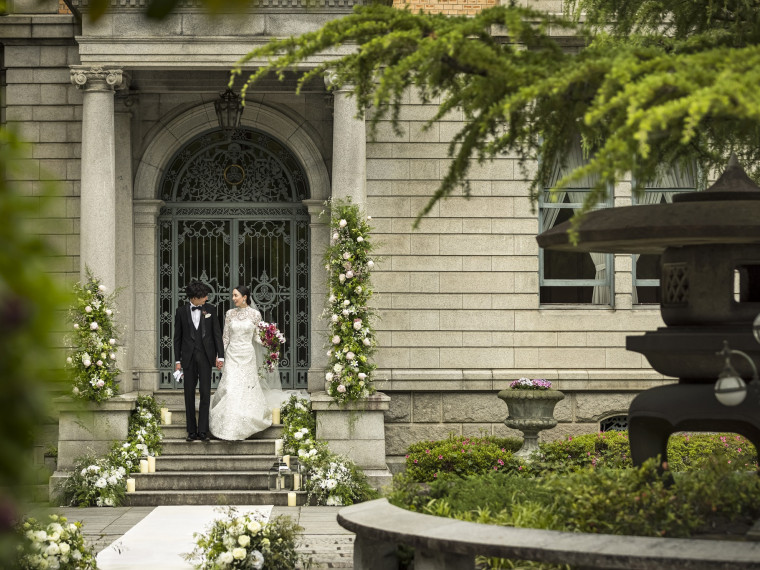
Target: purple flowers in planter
<point x="530" y="384"/>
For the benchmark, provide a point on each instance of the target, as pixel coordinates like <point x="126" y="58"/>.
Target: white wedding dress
<point x="242" y="404"/>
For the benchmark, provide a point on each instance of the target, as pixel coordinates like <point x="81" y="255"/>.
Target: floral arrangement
<point x="102" y="482"/>
<point x="144" y="436"/>
<point x="56" y="545"/>
<point x="247" y="541"/>
<point x="93" y="359"/>
<point x="352" y="338"/>
<point x="528" y="384"/>
<point x="95" y="482"/>
<point x="272" y="340"/>
<point x="300" y="428"/>
<point x="329" y="479"/>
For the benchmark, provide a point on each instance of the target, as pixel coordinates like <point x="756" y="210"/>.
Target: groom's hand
<point x="219" y="364"/>
<point x="178" y="366"/>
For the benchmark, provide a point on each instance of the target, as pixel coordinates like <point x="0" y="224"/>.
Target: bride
<point x="242" y="404"/>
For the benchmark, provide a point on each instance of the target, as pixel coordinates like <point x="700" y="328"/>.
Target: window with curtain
<point x="646" y="268"/>
<point x="566" y="277"/>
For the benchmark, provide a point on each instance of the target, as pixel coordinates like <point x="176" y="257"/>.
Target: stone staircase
<point x="208" y="473"/>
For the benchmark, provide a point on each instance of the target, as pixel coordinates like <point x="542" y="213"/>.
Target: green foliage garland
<point x="329" y="479"/>
<point x="352" y="337"/>
<point x="93" y="359"/>
<point x="646" y="84"/>
<point x="102" y="482"/>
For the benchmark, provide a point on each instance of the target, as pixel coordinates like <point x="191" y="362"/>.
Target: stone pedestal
<point x="356" y="431"/>
<point x="89" y="428"/>
<point x="530" y="411"/>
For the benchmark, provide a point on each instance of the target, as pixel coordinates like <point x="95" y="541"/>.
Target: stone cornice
<point x="197" y="5"/>
<point x="97" y="78"/>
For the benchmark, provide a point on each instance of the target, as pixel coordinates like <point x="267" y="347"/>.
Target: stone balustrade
<point x="448" y="544"/>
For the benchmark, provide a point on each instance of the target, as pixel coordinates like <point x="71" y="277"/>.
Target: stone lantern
<point x="708" y="241"/>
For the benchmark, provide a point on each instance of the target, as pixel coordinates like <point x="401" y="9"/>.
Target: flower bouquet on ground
<point x="531" y="384"/>
<point x="95" y="483"/>
<point x="56" y="545"/>
<point x="247" y="541"/>
<point x="272" y="340"/>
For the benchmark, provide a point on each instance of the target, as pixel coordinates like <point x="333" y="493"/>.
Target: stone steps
<point x="216" y="463"/>
<point x="218" y="447"/>
<point x="201" y="481"/>
<point x="179" y="431"/>
<point x="210" y="497"/>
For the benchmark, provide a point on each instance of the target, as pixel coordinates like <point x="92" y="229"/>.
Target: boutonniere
<point x="205" y="314"/>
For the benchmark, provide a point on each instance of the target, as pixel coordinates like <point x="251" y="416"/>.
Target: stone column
<point x="349" y="160"/>
<point x="98" y="196"/>
<point x="146" y="280"/>
<point x="125" y="276"/>
<point x="319" y="237"/>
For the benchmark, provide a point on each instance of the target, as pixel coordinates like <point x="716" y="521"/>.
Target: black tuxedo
<point x="197" y="350"/>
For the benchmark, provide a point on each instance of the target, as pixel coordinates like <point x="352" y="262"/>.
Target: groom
<point x="197" y="347"/>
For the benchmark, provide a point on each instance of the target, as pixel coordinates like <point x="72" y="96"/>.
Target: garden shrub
<point x="427" y="460"/>
<point x="611" y="449"/>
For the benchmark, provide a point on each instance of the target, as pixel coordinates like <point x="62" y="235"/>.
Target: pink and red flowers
<point x="272" y="339"/>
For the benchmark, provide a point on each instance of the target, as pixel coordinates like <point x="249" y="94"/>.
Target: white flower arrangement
<point x="246" y="542"/>
<point x="93" y="341"/>
<point x="57" y="545"/>
<point x="351" y="332"/>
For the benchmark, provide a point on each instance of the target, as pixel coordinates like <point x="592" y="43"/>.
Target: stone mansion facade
<point x="153" y="193"/>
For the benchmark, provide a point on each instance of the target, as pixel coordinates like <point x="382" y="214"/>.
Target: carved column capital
<point x="332" y="84"/>
<point x="98" y="78"/>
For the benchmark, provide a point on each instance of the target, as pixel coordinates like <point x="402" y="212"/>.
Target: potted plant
<point x="531" y="409"/>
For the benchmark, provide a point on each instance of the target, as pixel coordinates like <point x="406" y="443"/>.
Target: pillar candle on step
<point x="130" y="485"/>
<point x="151" y="464"/>
<point x="143" y="466"/>
<point x="286" y="460"/>
<point x="297" y="482"/>
<point x="163" y="415"/>
<point x="291" y="499"/>
<point x="275" y="416"/>
<point x="168" y="418"/>
<point x="278" y="446"/>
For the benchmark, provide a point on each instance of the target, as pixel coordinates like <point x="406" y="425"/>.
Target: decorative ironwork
<point x="675" y="284"/>
<point x="265" y="247"/>
<point x="614" y="423"/>
<point x="266" y="170"/>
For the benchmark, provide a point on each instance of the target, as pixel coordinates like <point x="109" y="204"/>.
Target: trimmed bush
<point x="428" y="460"/>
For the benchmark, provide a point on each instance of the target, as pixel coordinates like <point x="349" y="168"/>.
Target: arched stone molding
<point x="202" y="118"/>
<point x="167" y="139"/>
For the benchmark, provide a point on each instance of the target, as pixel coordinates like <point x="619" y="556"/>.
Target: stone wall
<point x="458" y="298"/>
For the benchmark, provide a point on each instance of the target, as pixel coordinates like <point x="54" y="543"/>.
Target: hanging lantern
<point x="229" y="110"/>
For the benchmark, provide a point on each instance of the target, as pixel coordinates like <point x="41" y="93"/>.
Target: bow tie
<point x="196" y="308"/>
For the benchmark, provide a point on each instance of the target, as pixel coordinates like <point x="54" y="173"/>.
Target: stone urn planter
<point x="530" y="411"/>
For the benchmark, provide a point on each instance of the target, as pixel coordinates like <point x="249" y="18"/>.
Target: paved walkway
<point x="327" y="543"/>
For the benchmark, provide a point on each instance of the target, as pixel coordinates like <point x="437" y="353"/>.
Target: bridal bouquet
<point x="247" y="541"/>
<point x="272" y="340"/>
<point x="56" y="545"/>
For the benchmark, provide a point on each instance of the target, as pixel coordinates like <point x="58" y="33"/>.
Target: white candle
<point x="291" y="499"/>
<point x="296" y="481"/>
<point x="130" y="485"/>
<point x="286" y="460"/>
<point x="163" y="415"/>
<point x="151" y="464"/>
<point x="278" y="446"/>
<point x="168" y="418"/>
<point x="143" y="466"/>
<point x="275" y="415"/>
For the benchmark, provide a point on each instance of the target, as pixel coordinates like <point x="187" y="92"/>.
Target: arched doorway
<point x="232" y="215"/>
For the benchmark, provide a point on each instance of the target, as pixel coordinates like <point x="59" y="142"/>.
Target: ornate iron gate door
<point x="263" y="244"/>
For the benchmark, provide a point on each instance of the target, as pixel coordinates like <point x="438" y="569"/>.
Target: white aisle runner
<point x="162" y="537"/>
